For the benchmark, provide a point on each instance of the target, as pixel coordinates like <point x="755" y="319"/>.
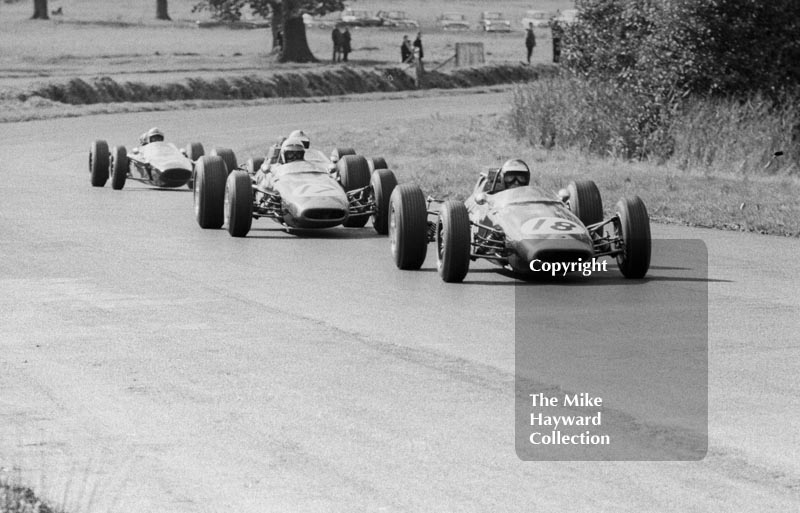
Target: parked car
<point x="494" y="22"/>
<point x="360" y="18"/>
<point x="539" y="19"/>
<point x="397" y="19"/>
<point x="453" y="21"/>
<point x="567" y="17"/>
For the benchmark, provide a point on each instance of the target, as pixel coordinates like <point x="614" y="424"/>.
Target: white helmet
<point x="299" y="134"/>
<point x="514" y="173"/>
<point x="154" y="134"/>
<point x="292" y="150"/>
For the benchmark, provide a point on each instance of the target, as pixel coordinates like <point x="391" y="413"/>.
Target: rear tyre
<point x="119" y="167"/>
<point x="98" y="163"/>
<point x="453" y="242"/>
<point x="238" y="203"/>
<point x="227" y="156"/>
<point x="585" y="201"/>
<point x="383" y="183"/>
<point x="377" y="163"/>
<point x="338" y="153"/>
<point x="193" y="152"/>
<point x="408" y="226"/>
<point x="634" y="229"/>
<point x="254" y="164"/>
<point x="209" y="191"/>
<point x="354" y="174"/>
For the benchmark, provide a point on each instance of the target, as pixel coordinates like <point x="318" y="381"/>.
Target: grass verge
<point x="19" y="499"/>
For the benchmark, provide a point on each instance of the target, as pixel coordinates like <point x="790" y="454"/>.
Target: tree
<point x="161" y="10"/>
<point x="286" y="18"/>
<point x="40" y="10"/>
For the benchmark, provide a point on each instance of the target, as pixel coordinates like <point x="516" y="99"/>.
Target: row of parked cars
<point x="489" y="21"/>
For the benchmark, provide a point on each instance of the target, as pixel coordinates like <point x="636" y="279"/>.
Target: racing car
<point x="298" y="187"/>
<point x="154" y="162"/>
<point x="511" y="223"/>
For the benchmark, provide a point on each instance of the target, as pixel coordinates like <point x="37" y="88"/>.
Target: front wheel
<point x="408" y="226"/>
<point x="209" y="191"/>
<point x="98" y="163"/>
<point x="453" y="241"/>
<point x="119" y="167"/>
<point x="238" y="203"/>
<point x="193" y="152"/>
<point x="634" y="230"/>
<point x="353" y="175"/>
<point x="383" y="183"/>
<point x="585" y="201"/>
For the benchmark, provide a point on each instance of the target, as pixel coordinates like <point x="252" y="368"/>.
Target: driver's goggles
<point x="515" y="179"/>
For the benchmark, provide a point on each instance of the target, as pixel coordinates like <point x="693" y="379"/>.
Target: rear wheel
<point x="338" y="153"/>
<point x="209" y="191"/>
<point x="193" y="152"/>
<point x="453" y="241"/>
<point x="408" y="226"/>
<point x="354" y="174"/>
<point x="238" y="203"/>
<point x="377" y="163"/>
<point x="119" y="167"/>
<point x="383" y="183"/>
<point x="585" y="201"/>
<point x="227" y="156"/>
<point x="98" y="163"/>
<point x="634" y="229"/>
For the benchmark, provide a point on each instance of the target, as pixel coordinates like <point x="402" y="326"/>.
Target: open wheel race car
<point x="308" y="193"/>
<point x="515" y="226"/>
<point x="157" y="163"/>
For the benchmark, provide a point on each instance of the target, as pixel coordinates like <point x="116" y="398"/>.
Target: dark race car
<point x="309" y="191"/>
<point x="521" y="228"/>
<point x="155" y="162"/>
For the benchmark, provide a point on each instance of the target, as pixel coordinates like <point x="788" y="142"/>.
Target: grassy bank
<point x="18" y="499"/>
<point x="445" y="154"/>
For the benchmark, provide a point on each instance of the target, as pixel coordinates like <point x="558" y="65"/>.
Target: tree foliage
<point x="287" y="20"/>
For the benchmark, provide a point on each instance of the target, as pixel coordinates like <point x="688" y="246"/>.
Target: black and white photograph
<point x="399" y="256"/>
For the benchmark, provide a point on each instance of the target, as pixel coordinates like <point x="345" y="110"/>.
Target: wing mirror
<point x="480" y="198"/>
<point x="563" y="194"/>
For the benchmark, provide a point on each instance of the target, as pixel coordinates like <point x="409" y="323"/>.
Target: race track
<point x="149" y="365"/>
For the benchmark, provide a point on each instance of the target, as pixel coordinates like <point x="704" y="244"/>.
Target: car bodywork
<point x="493" y="21"/>
<point x="397" y="19"/>
<point x="539" y="19"/>
<point x="453" y="21"/>
<point x="360" y="18"/>
<point x="159" y="163"/>
<point x="514" y="227"/>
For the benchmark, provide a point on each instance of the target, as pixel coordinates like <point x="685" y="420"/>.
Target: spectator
<point x="346" y="48"/>
<point x="418" y="49"/>
<point x="336" y="36"/>
<point x="530" y="41"/>
<point x="406" y="51"/>
<point x="558" y="34"/>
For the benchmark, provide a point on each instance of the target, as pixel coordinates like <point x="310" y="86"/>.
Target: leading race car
<point x="519" y="227"/>
<point x="154" y="162"/>
<point x="298" y="187"/>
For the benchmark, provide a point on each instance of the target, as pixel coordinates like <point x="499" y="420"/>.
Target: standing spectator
<point x="406" y="51"/>
<point x="346" y="48"/>
<point x="336" y="36"/>
<point x="558" y="34"/>
<point x="530" y="41"/>
<point x="418" y="49"/>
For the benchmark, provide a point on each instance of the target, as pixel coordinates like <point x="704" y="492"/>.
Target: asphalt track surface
<point x="149" y="365"/>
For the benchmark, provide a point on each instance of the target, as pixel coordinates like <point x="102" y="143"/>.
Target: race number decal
<point x="549" y="226"/>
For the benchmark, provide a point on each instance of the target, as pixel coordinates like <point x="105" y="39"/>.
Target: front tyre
<point x="209" y="191"/>
<point x="585" y="201"/>
<point x="383" y="183"/>
<point x="193" y="152"/>
<point x="98" y="163"/>
<point x="238" y="203"/>
<point x="408" y="226"/>
<point x="634" y="230"/>
<point x="453" y="241"/>
<point x="119" y="167"/>
<point x="354" y="174"/>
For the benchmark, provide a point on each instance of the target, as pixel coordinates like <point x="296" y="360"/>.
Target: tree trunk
<point x="161" y="10"/>
<point x="277" y="30"/>
<point x="40" y="10"/>
<point x="295" y="45"/>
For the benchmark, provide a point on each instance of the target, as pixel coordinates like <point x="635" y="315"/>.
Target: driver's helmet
<point x="292" y="150"/>
<point x="154" y="134"/>
<point x="299" y="134"/>
<point x="514" y="173"/>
